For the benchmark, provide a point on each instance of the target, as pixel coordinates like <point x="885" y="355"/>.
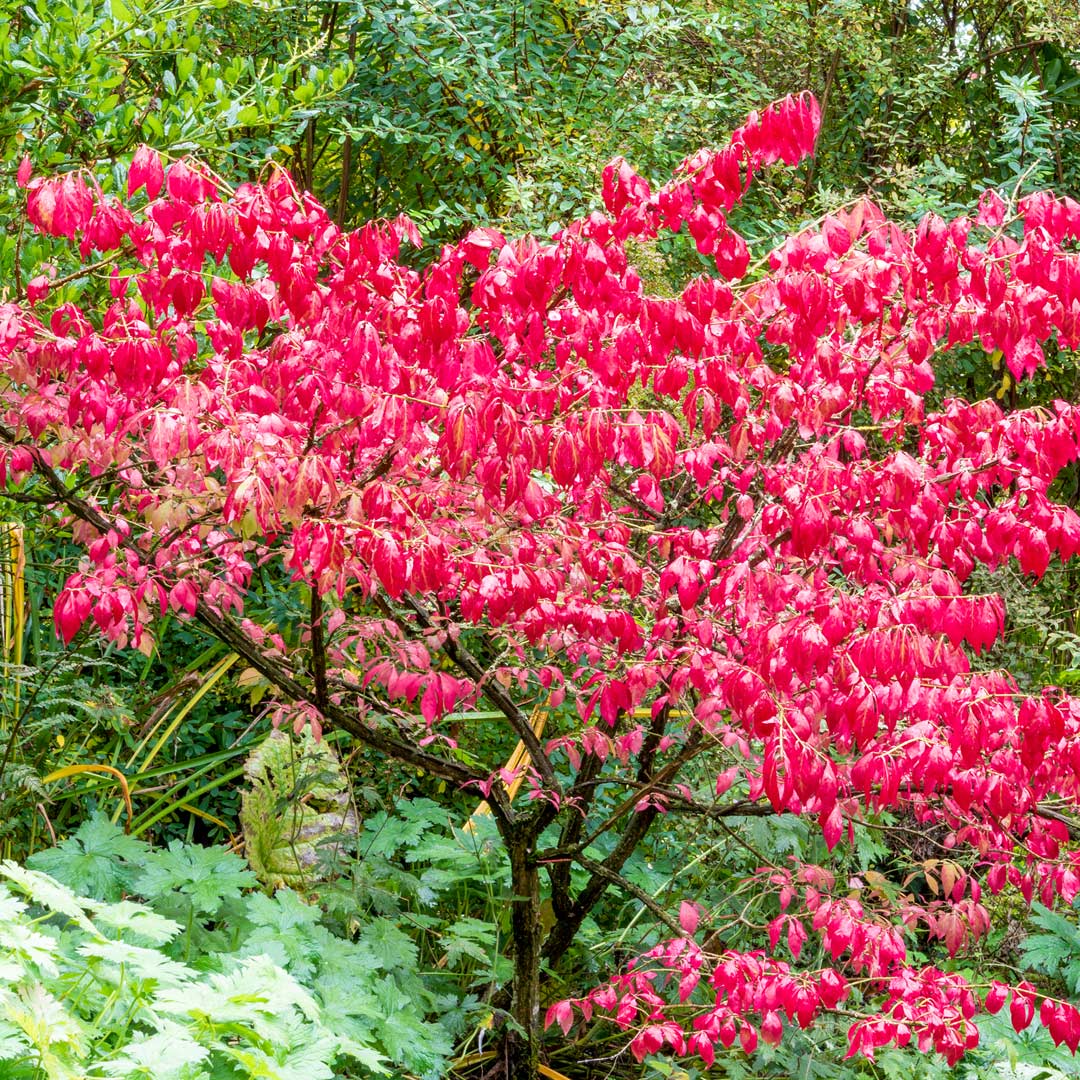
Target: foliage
<point x="454" y="111"/>
<point x="84" y="82"/>
<point x="712" y="548"/>
<point x="1056" y="950"/>
<point x="359" y="966"/>
<point x="464" y="114"/>
<point x="97" y="860"/>
<point x="461" y="114"/>
<point x="52" y="716"/>
<point x="89" y="984"/>
<point x="925" y="104"/>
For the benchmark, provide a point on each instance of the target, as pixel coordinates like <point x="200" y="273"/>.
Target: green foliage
<point x="362" y="967"/>
<point x="78" y="707"/>
<point x="1028" y="133"/>
<point x="53" y="714"/>
<point x="464" y="112"/>
<point x="413" y="864"/>
<point x="1029" y="1055"/>
<point x="98" y="860"/>
<point x="1056" y="951"/>
<point x="1040" y="645"/>
<point x="87" y="987"/>
<point x="84" y="81"/>
<point x="196" y="878"/>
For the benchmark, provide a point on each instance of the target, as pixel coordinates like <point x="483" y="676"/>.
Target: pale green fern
<point x="85" y="991"/>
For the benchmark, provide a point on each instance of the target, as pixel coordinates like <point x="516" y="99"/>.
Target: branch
<point x="68" y="278"/>
<point x="495" y="694"/>
<point x="726" y="544"/>
<point x="693" y="747"/>
<point x="580" y="797"/>
<point x="565" y="929"/>
<point x="600" y="870"/>
<point x="652" y="740"/>
<point x="1053" y="815"/>
<point x="225" y="629"/>
<point x="641" y="505"/>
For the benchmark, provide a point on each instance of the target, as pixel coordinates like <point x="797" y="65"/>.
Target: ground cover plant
<point x="172" y="964"/>
<point x="700" y="557"/>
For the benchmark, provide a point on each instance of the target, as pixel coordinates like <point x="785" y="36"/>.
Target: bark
<point x="523" y="1044"/>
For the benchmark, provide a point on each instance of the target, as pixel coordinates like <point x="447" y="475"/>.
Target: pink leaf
<point x="689" y="916"/>
<point x="562" y="1013"/>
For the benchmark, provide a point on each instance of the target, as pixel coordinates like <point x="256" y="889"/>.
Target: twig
<point x="495" y="694"/>
<point x="603" y="871"/>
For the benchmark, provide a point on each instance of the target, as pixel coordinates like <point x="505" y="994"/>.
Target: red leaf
<point x="832" y="827"/>
<point x="562" y="1012"/>
<point x="996" y="997"/>
<point x="1022" y="1008"/>
<point x="689" y="916"/>
<point x="748" y="1037"/>
<point x="772" y="1028"/>
<point x="146" y="170"/>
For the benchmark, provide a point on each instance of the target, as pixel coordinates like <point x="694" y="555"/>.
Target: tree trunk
<point x="523" y="1046"/>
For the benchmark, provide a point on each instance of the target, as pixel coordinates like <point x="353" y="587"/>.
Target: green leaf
<point x="42" y="1017"/>
<point x="50" y="894"/>
<point x="167" y="1054"/>
<point x="136" y="919"/>
<point x="288" y="931"/>
<point x="256" y="992"/>
<point x="13" y="1044"/>
<point x="299" y="1053"/>
<point x="469" y="937"/>
<point x="96" y="860"/>
<point x="391" y="947"/>
<point x="148" y="965"/>
<point x="20" y="945"/>
<point x="1056" y="952"/>
<point x="206" y="876"/>
<point x="409" y="827"/>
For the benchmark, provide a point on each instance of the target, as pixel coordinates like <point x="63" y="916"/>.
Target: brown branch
<point x="226" y="630"/>
<point x="564" y="932"/>
<point x="345" y="179"/>
<point x="599" y="869"/>
<point x="495" y="694"/>
<point x="652" y="739"/>
<point x="1053" y="815"/>
<point x="84" y="271"/>
<point x="579" y="799"/>
<point x="650" y="785"/>
<point x="641" y="505"/>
